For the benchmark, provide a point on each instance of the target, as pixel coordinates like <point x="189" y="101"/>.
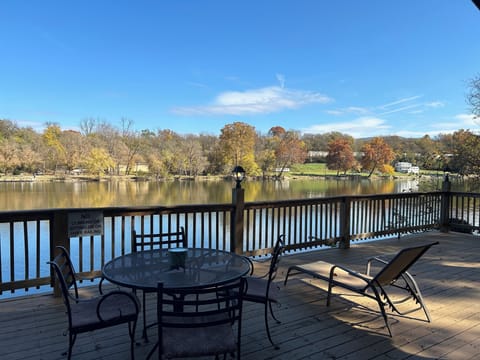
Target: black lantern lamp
<point x="238" y="174"/>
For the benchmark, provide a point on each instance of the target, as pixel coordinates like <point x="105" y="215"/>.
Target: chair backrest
<point x="200" y="307"/>
<point x="400" y="263"/>
<point x="275" y="261"/>
<point x="167" y="240"/>
<point x="65" y="275"/>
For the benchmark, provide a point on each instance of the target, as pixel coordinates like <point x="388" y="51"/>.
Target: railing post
<point x="445" y="204"/>
<point x="345" y="224"/>
<point x="58" y="237"/>
<point x="236" y="221"/>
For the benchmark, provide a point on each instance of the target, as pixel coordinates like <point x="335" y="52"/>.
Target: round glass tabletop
<point x="202" y="267"/>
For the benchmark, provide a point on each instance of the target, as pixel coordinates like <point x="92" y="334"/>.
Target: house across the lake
<point x="406" y="167"/>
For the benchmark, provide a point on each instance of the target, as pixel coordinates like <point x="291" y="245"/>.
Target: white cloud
<point x="435" y="104"/>
<point x="349" y="110"/>
<point x="403" y="108"/>
<point x="460" y="121"/>
<point x="400" y="101"/>
<point x="281" y="80"/>
<point x="335" y="112"/>
<point x="468" y="120"/>
<point x="358" y="128"/>
<point x="256" y="101"/>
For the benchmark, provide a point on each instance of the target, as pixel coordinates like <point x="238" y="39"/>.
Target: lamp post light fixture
<point x="238" y="174"/>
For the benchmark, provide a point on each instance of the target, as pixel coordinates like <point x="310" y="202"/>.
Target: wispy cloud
<point x="360" y="127"/>
<point x="256" y="101"/>
<point x="400" y="101"/>
<point x="403" y="108"/>
<point x="435" y="104"/>
<point x="349" y="110"/>
<point x="407" y="104"/>
<point x="459" y="121"/>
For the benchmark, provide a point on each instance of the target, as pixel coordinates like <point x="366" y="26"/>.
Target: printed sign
<point x="85" y="223"/>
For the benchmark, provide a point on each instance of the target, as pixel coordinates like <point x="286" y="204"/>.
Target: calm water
<point x="42" y="195"/>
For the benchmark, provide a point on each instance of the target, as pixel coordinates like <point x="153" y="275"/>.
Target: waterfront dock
<point x="351" y="328"/>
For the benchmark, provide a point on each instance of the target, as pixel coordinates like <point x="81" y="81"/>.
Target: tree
<point x="98" y="161"/>
<point x="376" y="153"/>
<point x="465" y="154"/>
<point x="8" y="155"/>
<point x="75" y="148"/>
<point x="290" y="150"/>
<point x="340" y="155"/>
<point x="132" y="143"/>
<point x="55" y="149"/>
<point x="473" y="97"/>
<point x="237" y="144"/>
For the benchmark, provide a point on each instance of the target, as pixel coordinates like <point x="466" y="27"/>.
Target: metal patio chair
<point x="392" y="274"/>
<point x="261" y="289"/>
<point x="200" y="321"/>
<point x="85" y="315"/>
<point x="145" y="241"/>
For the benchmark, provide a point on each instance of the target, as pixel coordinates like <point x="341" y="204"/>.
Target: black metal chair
<point x="261" y="289"/>
<point x="85" y="315"/>
<point x="200" y="321"/>
<point x="166" y="240"/>
<point x="393" y="273"/>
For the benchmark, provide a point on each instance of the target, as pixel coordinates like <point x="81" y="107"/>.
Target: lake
<point x="44" y="195"/>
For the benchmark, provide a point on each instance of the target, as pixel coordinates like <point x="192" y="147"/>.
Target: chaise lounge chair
<point x="393" y="273"/>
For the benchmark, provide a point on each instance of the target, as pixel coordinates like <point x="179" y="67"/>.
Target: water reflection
<point x="41" y="195"/>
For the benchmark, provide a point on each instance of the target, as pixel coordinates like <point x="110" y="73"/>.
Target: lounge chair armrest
<point x="348" y="271"/>
<point x="129" y="299"/>
<point x="371" y="260"/>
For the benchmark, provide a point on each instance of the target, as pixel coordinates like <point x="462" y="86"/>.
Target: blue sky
<point x="365" y="68"/>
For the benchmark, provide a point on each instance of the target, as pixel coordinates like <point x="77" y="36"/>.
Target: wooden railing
<point x="28" y="238"/>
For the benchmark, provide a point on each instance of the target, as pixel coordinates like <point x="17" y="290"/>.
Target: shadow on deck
<point x="351" y="328"/>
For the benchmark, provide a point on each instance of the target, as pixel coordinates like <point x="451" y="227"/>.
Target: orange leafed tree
<point x="340" y="155"/>
<point x="289" y="150"/>
<point x="376" y="153"/>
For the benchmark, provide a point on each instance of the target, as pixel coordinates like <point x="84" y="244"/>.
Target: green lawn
<point x="320" y="169"/>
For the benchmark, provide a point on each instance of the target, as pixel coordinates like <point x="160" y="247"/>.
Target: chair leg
<point x="382" y="309"/>
<point x="71" y="341"/>
<point x="268" y="329"/>
<point x="144" y="311"/>
<point x="329" y="293"/>
<point x="131" y="332"/>
<point x="271" y="312"/>
<point x="416" y="293"/>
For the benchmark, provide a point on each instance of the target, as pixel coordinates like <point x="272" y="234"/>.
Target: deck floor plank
<point x="351" y="328"/>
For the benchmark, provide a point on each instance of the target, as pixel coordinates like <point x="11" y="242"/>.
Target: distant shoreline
<point x="133" y="178"/>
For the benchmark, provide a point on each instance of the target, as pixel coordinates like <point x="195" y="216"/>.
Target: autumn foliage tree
<point x="376" y="154"/>
<point x="466" y="147"/>
<point x="340" y="155"/>
<point x="289" y="148"/>
<point x="237" y="146"/>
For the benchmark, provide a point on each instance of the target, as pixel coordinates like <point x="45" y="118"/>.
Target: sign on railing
<point x="87" y="223"/>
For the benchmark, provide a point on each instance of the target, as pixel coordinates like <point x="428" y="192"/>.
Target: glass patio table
<point x="203" y="267"/>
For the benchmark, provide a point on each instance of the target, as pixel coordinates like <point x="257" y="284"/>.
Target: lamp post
<point x="238" y="201"/>
<point x="239" y="175"/>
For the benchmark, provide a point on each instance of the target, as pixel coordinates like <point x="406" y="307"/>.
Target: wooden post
<point x="445" y="203"/>
<point x="58" y="237"/>
<point x="345" y="224"/>
<point x="236" y="221"/>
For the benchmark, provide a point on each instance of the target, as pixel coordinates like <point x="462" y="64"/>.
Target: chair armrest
<point x="349" y="272"/>
<point x="250" y="262"/>
<point x="129" y="299"/>
<point x="372" y="259"/>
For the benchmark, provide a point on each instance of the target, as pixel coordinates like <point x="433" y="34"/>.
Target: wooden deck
<point x="351" y="328"/>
